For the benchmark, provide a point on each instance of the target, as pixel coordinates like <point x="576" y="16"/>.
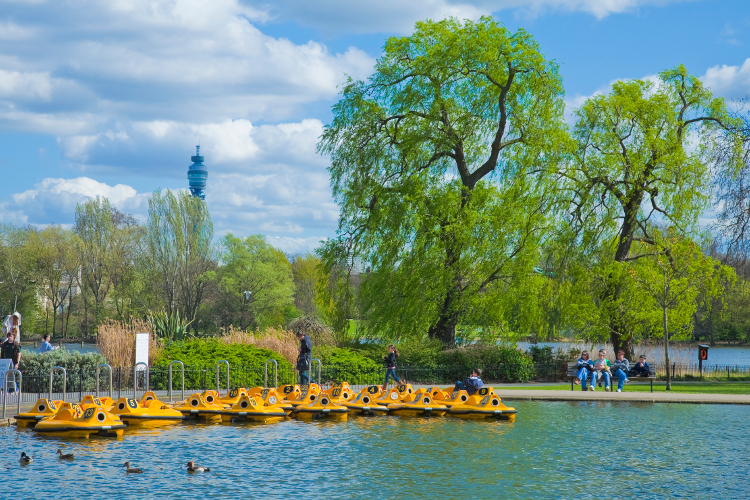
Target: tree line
<point x="109" y="266"/>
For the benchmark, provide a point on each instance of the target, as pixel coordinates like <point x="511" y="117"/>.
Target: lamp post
<point x="247" y="295"/>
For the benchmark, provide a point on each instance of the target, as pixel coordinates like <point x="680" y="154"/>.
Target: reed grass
<point x="116" y="341"/>
<point x="276" y="339"/>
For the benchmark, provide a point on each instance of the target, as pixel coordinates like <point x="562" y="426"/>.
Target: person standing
<point x="621" y="367"/>
<point x="304" y="358"/>
<point x="11" y="350"/>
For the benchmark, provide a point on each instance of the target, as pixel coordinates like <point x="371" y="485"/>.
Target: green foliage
<point x="246" y="360"/>
<point x="513" y="365"/>
<point x="252" y="265"/>
<point x="36" y="367"/>
<point x="169" y="327"/>
<point x="343" y="364"/>
<point x="437" y="164"/>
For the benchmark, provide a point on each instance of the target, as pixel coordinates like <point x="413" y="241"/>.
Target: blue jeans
<point x="390" y="372"/>
<point x="602" y="374"/>
<point x="304" y="379"/>
<point x="621" y="378"/>
<point x="583" y="374"/>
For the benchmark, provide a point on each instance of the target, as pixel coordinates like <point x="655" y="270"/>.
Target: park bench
<point x="573" y="371"/>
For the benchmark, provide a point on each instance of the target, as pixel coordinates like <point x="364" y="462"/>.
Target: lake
<point x="552" y="450"/>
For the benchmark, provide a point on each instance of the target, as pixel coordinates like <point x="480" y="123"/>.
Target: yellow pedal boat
<point x="44" y="408"/>
<point x="420" y="405"/>
<point x="89" y="401"/>
<point x="233" y="396"/>
<point x="196" y="407"/>
<point x="484" y="404"/>
<point x="149" y="412"/>
<point x="453" y="398"/>
<point x="340" y="392"/>
<point x="364" y="402"/>
<point x="249" y="409"/>
<point x="270" y="397"/>
<point x="396" y="394"/>
<point x="308" y="395"/>
<point x="322" y="407"/>
<point x="289" y="392"/>
<point x="67" y="422"/>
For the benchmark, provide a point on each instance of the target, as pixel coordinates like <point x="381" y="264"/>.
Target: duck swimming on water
<point x="191" y="467"/>
<point x="25" y="459"/>
<point x="128" y="470"/>
<point x="65" y="456"/>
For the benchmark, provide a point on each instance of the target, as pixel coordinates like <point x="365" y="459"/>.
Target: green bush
<point x="81" y="370"/>
<point x="341" y="364"/>
<point x="415" y="352"/>
<point x="200" y="357"/>
<point x="504" y="363"/>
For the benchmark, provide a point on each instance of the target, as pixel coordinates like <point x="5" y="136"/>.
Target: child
<point x="601" y="371"/>
<point x="390" y="365"/>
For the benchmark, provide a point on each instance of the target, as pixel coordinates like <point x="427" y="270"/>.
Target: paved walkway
<point x="640" y="397"/>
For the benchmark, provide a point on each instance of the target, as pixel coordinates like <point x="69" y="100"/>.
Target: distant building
<point x="197" y="175"/>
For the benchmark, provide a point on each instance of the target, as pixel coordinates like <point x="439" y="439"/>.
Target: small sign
<point x="141" y="348"/>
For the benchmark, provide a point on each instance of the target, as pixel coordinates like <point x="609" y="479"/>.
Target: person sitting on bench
<point x="584" y="365"/>
<point x="641" y="368"/>
<point x="621" y="367"/>
<point x="601" y="371"/>
<point x="472" y="384"/>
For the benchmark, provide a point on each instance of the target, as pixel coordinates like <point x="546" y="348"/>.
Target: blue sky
<point x="110" y="98"/>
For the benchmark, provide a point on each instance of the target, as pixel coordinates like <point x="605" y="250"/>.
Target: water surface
<point x="553" y="450"/>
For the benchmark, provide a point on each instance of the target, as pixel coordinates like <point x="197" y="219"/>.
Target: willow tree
<point x="643" y="156"/>
<point x="431" y="165"/>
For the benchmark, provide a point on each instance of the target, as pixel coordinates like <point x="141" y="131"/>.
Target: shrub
<point x="200" y="357"/>
<point x="342" y="364"/>
<point x="504" y="363"/>
<point x="275" y="339"/>
<point x="81" y="370"/>
<point x="319" y="333"/>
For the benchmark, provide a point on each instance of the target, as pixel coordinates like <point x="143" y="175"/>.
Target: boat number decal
<point x="78" y="410"/>
<point x="454" y="394"/>
<point x="336" y="393"/>
<point x="264" y="393"/>
<point x="485" y="400"/>
<point x="252" y="401"/>
<point x="132" y="403"/>
<point x="401" y="388"/>
<point x="373" y="389"/>
<point x="97" y="401"/>
<point x="233" y="393"/>
<point x="337" y="384"/>
<point x="288" y="389"/>
<point x="483" y="391"/>
<point x="89" y="413"/>
<point x="52" y="406"/>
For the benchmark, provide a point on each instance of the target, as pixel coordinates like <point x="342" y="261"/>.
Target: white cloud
<point x="730" y="82"/>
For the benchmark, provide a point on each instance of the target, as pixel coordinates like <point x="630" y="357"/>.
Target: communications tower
<point x="197" y="175"/>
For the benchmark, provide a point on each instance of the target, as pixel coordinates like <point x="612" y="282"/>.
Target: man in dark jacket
<point x="304" y="358"/>
<point x="472" y="384"/>
<point x="641" y="368"/>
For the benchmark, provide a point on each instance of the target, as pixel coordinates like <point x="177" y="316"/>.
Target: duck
<point x="191" y="467"/>
<point x="65" y="456"/>
<point x="128" y="470"/>
<point x="25" y="459"/>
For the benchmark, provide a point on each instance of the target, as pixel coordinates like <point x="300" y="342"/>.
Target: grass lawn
<point x="686" y="387"/>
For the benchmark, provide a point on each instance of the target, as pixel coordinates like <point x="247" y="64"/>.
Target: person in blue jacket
<point x="472" y="384"/>
<point x="641" y="368"/>
<point x="585" y="367"/>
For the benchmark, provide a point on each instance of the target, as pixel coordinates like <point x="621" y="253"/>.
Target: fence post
<point x="119" y="382"/>
<point x="727" y="372"/>
<point x="80" y="384"/>
<point x="204" y="378"/>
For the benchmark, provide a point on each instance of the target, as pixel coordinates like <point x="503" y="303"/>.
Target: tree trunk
<point x="445" y="329"/>
<point x="666" y="349"/>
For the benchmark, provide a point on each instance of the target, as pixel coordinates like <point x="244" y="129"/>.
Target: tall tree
<point x="643" y="152"/>
<point x="305" y="269"/>
<point x="94" y="227"/>
<point x="673" y="274"/>
<point x="17" y="281"/>
<point x="252" y="265"/>
<point x="432" y="164"/>
<point x="180" y="236"/>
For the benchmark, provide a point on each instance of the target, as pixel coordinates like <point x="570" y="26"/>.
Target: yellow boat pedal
<point x="68" y="422"/>
<point x="395" y="394"/>
<point x="420" y="405"/>
<point x="489" y="405"/>
<point x="196" y="407"/>
<point x="250" y="409"/>
<point x="44" y="408"/>
<point x="322" y="407"/>
<point x="339" y="392"/>
<point x="149" y="412"/>
<point x="364" y="402"/>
